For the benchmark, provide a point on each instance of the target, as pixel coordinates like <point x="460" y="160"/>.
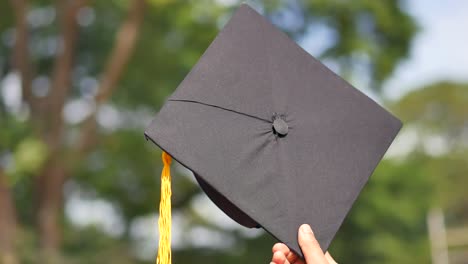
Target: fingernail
<point x="305" y="229"/>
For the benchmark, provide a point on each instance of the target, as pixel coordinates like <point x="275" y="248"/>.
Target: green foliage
<point x="441" y="111"/>
<point x="92" y="246"/>
<point x="387" y="224"/>
<point x="439" y="108"/>
<point x="29" y="157"/>
<point x="367" y="28"/>
<point x="256" y="250"/>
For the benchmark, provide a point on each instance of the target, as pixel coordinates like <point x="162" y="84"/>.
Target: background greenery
<point x="79" y="184"/>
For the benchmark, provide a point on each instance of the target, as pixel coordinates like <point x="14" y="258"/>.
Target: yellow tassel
<point x="164" y="222"/>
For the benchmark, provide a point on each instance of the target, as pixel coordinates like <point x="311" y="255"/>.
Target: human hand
<point x="310" y="247"/>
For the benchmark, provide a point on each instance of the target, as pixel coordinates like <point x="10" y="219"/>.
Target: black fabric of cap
<point x="274" y="138"/>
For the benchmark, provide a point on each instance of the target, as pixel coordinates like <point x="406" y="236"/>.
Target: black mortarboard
<point x="273" y="137"/>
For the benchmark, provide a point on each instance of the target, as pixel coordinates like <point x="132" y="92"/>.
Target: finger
<point x="279" y="258"/>
<point x="282" y="248"/>
<point x="310" y="246"/>
<point x="330" y="259"/>
<point x="293" y="258"/>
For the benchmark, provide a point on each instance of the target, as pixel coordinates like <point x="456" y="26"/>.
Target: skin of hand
<point x="310" y="247"/>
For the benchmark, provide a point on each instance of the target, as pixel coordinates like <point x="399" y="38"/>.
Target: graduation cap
<point x="273" y="137"/>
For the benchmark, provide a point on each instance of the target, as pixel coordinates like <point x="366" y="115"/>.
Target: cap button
<point x="280" y="127"/>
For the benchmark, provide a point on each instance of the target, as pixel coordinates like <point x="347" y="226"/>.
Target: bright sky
<point x="439" y="51"/>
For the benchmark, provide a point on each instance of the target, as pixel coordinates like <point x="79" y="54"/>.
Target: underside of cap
<point x="226" y="206"/>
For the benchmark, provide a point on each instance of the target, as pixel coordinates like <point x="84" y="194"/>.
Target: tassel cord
<point x="164" y="222"/>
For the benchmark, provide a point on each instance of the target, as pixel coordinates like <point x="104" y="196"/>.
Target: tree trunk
<point x="51" y="179"/>
<point x="21" y="59"/>
<point x="7" y="223"/>
<point x="50" y="200"/>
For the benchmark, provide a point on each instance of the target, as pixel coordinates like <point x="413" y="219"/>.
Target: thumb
<point x="310" y="247"/>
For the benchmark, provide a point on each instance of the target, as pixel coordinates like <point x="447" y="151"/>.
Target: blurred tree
<point x="45" y="109"/>
<point x="388" y="222"/>
<point x="88" y="87"/>
<point x="438" y="114"/>
<point x="439" y="108"/>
